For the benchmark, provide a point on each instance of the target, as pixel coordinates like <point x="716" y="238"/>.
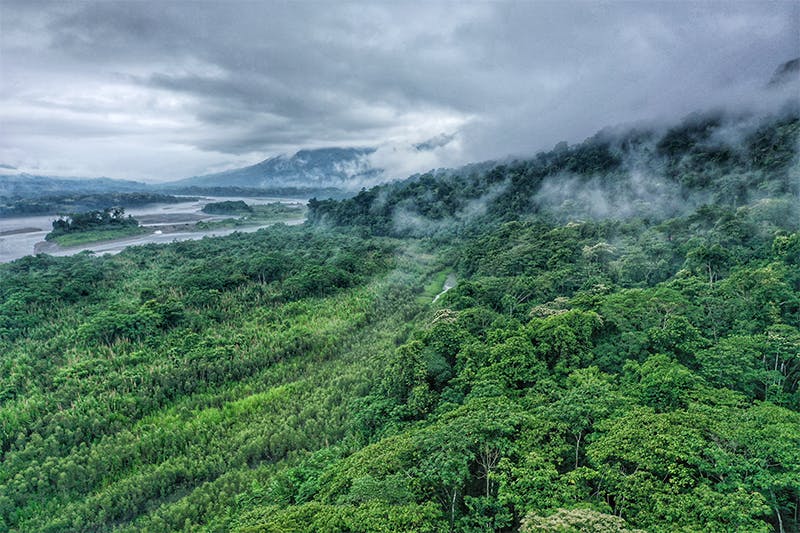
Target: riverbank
<point x="162" y="235"/>
<point x="77" y="238"/>
<point x="54" y="247"/>
<point x="22" y="236"/>
<point x="19" y="231"/>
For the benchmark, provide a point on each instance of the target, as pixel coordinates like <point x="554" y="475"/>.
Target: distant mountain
<point x="322" y="171"/>
<point x="788" y="72"/>
<point x="347" y="168"/>
<point x="28" y="185"/>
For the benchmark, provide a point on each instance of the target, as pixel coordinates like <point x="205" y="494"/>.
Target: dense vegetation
<point x="586" y="373"/>
<point x="76" y="203"/>
<point x="227" y="207"/>
<point x="709" y="158"/>
<point x="91" y="226"/>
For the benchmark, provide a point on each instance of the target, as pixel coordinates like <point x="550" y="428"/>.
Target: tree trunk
<point x="453" y="511"/>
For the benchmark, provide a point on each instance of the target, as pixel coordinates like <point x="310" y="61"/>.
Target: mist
<point x="748" y="164"/>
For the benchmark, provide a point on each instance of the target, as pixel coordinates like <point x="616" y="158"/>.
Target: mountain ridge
<point x="346" y="168"/>
<point x="30" y="185"/>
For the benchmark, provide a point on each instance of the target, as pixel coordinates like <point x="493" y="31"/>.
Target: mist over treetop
<point x="707" y="158"/>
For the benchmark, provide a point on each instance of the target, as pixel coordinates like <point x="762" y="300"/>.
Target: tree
<point x="590" y="396"/>
<point x="735" y="362"/>
<point x="662" y="383"/>
<point x="709" y="260"/>
<point x="575" y="521"/>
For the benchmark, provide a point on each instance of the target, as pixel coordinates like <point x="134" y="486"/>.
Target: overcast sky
<point x="161" y="90"/>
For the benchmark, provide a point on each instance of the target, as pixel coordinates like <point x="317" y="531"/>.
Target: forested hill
<point x="620" y="352"/>
<point x="27" y="186"/>
<point x="710" y="158"/>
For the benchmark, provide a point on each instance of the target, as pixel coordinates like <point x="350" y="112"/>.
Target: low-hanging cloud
<point x="406" y="220"/>
<point x="636" y="193"/>
<point x="165" y="90"/>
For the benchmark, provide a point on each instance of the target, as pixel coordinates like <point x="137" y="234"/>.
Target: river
<point x="19" y="235"/>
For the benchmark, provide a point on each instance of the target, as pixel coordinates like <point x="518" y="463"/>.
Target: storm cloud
<point x="159" y="90"/>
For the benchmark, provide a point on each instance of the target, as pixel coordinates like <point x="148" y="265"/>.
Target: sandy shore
<point x="19" y="231"/>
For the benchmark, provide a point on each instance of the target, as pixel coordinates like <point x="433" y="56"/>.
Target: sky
<point x="163" y="90"/>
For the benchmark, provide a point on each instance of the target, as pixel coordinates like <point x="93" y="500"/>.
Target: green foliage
<point x="599" y="375"/>
<point x="575" y="521"/>
<point x="689" y="164"/>
<point x="227" y="207"/>
<point x="107" y="218"/>
<point x="373" y="517"/>
<point x="75" y="238"/>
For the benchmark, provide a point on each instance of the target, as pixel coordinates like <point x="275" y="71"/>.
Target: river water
<point x="19" y="235"/>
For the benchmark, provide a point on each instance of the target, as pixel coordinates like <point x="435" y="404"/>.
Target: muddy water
<point x="19" y="235"/>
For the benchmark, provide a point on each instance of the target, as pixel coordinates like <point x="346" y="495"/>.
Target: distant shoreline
<point x="50" y="247"/>
<point x="20" y="237"/>
<point x="44" y="247"/>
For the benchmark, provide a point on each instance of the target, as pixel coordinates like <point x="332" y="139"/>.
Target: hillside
<point x="620" y="352"/>
<point x="345" y="168"/>
<point x="708" y="158"/>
